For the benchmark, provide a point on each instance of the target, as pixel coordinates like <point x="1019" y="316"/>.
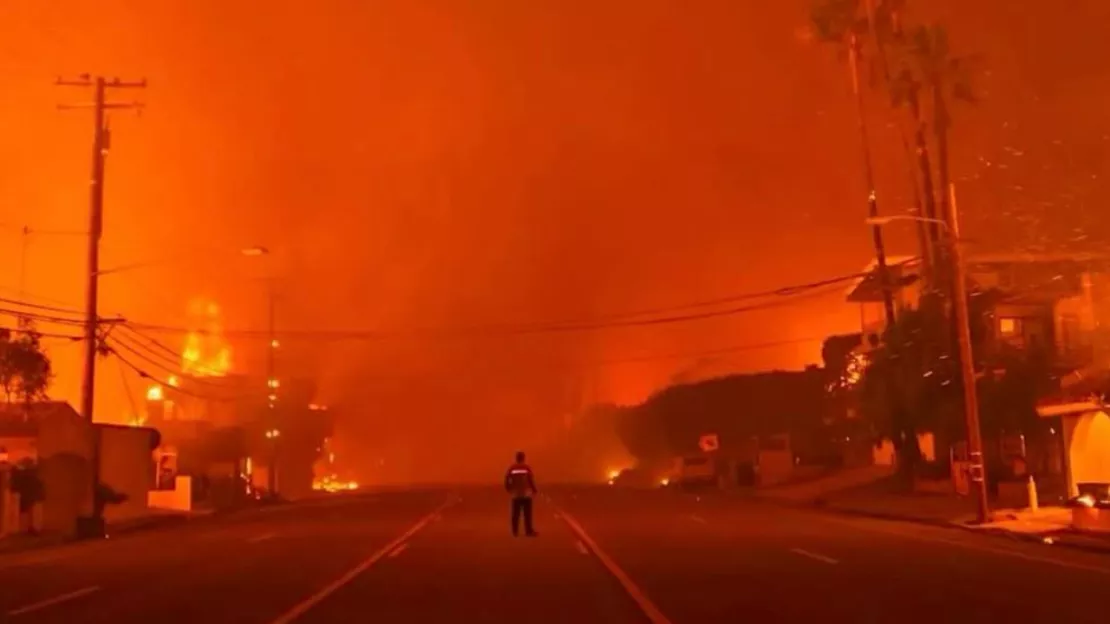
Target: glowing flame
<point x="155" y="393"/>
<point x="205" y="353"/>
<point x="332" y="484"/>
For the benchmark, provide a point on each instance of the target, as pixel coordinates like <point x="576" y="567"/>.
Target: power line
<point x="24" y="330"/>
<point x="145" y="341"/>
<point x="40" y="306"/>
<point x="41" y="317"/>
<point x="794" y="292"/>
<point x="720" y="351"/>
<point x="150" y="360"/>
<point x="165" y="384"/>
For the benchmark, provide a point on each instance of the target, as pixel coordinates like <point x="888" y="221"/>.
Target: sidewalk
<point x="883" y="498"/>
<point x="1048" y="525"/>
<point x="155" y="519"/>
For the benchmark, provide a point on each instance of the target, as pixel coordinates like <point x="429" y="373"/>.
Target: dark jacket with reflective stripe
<point x="519" y="481"/>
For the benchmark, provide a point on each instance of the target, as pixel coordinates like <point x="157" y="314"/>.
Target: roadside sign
<point x="709" y="442"/>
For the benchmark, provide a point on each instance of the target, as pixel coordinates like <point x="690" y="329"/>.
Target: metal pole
<point x="967" y="364"/>
<point x="271" y="477"/>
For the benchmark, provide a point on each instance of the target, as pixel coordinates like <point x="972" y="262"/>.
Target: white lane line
<point x="698" y="519"/>
<point x="814" y="556"/>
<point x="315" y="599"/>
<point x="50" y="602"/>
<point x="654" y="615"/>
<point x="581" y="547"/>
<point x="396" y="551"/>
<point x="261" y="538"/>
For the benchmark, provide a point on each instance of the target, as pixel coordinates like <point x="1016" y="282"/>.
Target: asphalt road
<point x="603" y="555"/>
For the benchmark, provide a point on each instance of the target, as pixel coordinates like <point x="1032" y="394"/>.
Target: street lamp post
<point x="963" y="331"/>
<point x="271" y="366"/>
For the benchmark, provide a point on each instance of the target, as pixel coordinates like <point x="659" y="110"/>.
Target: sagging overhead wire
<point x="42" y="334"/>
<point x="44" y="318"/>
<point x="172" y="370"/>
<point x="170" y="353"/>
<point x="41" y="306"/>
<point x="787" y="295"/>
<point x="740" y="348"/>
<point x="168" y="387"/>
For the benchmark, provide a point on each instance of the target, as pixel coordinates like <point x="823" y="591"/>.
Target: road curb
<point x="1057" y="538"/>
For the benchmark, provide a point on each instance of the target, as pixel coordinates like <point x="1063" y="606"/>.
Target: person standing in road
<point x="520" y="483"/>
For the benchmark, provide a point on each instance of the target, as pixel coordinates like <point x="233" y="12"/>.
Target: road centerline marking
<point x="305" y="605"/>
<point x="50" y="602"/>
<point x="397" y="551"/>
<point x="698" y="519"/>
<point x="654" y="615"/>
<point x="814" y="556"/>
<point x="261" y="538"/>
<point x="581" y="547"/>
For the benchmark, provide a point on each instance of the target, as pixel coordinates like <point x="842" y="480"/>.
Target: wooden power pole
<point x="101" y="143"/>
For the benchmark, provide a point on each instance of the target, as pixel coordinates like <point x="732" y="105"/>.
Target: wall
<point x="180" y="498"/>
<point x="775" y="460"/>
<point x="127" y="466"/>
<point x="1088" y="442"/>
<point x="65" y="444"/>
<point x="883" y="453"/>
<point x="9" y="503"/>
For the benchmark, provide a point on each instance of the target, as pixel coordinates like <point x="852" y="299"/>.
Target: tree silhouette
<point x="25" y="369"/>
<point x="926" y="63"/>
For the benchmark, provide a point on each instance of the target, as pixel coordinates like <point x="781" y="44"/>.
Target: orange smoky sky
<point x="420" y="163"/>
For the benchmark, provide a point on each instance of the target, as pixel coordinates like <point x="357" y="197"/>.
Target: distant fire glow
<point x="155" y="393"/>
<point x="205" y="353"/>
<point x="331" y="483"/>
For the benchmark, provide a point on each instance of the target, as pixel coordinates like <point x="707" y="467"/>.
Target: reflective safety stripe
<point x="519" y="471"/>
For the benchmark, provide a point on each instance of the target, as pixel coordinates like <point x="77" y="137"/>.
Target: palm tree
<point x="947" y="79"/>
<point x="846" y="22"/>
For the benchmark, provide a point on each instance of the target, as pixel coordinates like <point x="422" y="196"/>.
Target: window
<point x="1009" y="327"/>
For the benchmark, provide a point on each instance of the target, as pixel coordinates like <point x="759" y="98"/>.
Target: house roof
<point x="903" y="270"/>
<point x="24" y="419"/>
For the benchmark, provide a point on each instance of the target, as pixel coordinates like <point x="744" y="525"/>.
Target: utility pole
<point x="24" y="241"/>
<point x="897" y="404"/>
<point x="23" y="321"/>
<point x="967" y="364"/>
<point x="101" y="144"/>
<point x="869" y="180"/>
<point x="272" y="382"/>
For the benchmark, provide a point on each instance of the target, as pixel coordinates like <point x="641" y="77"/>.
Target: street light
<point x="272" y="383"/>
<point x="881" y="221"/>
<point x="963" y="331"/>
